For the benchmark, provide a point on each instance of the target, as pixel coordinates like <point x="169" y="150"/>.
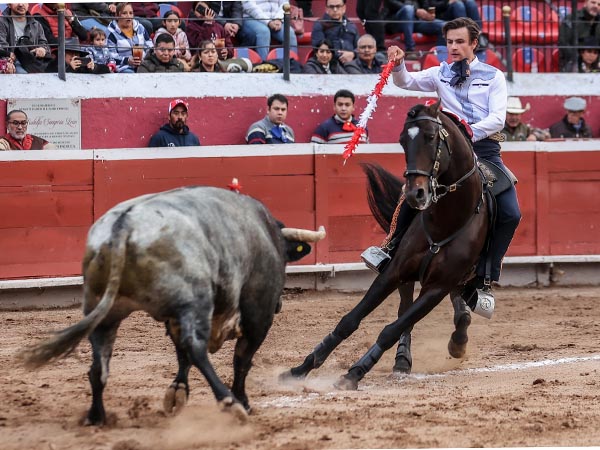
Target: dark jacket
<point x="85" y="10"/>
<point x="145" y="9"/>
<point x="342" y="34"/>
<point x="357" y="66"/>
<point x="48" y="19"/>
<point x="151" y="64"/>
<point x="232" y="12"/>
<point x="99" y="69"/>
<point x="33" y="30"/>
<point x="168" y="137"/>
<point x="314" y="66"/>
<point x="198" y="31"/>
<point x="563" y="129"/>
<point x="587" y="26"/>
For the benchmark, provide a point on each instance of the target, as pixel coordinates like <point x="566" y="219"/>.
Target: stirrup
<point x="485" y="303"/>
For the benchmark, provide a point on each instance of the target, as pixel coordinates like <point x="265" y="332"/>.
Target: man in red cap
<point x="175" y="133"/>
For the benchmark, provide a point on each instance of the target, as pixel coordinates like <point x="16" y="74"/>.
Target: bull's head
<point x="297" y="240"/>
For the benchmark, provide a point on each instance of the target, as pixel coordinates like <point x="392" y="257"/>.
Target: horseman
<point x="477" y="94"/>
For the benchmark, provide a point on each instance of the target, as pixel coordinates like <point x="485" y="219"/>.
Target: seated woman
<point x="322" y="60"/>
<point x="125" y="33"/>
<point x="207" y="59"/>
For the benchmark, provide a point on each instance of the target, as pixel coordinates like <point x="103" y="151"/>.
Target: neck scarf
<point x="277" y="132"/>
<point x="16" y="145"/>
<point x="461" y="71"/>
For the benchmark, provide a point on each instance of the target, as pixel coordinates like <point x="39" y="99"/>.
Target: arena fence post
<point x="60" y="8"/>
<point x="286" y="41"/>
<point x="508" y="38"/>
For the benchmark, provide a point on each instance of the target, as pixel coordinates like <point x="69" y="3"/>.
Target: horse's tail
<point x="65" y="341"/>
<point x="383" y="192"/>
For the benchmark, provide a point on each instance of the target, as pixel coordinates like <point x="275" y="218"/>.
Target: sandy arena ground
<point x="531" y="377"/>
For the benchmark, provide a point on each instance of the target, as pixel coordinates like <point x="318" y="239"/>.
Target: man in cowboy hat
<point x="514" y="129"/>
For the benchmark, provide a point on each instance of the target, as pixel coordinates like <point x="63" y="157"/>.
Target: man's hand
<point x="531" y="137"/>
<point x="275" y="25"/>
<point x="345" y="56"/>
<point x="396" y="55"/>
<point x="38" y="52"/>
<point x="424" y="15"/>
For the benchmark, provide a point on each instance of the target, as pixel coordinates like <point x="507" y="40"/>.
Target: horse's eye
<point x="430" y="136"/>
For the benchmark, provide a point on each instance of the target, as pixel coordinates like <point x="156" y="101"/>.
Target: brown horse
<point x="440" y="247"/>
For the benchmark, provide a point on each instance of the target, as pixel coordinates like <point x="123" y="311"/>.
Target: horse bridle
<point x="434" y="185"/>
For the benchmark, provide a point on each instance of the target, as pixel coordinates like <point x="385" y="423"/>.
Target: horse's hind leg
<point x="403" y="362"/>
<point x="102" y="340"/>
<point x="179" y="390"/>
<point x="457" y="346"/>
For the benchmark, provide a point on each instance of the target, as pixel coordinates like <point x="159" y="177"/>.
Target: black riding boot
<point x="403" y="362"/>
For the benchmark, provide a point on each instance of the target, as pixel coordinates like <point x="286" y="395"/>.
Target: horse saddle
<point x="497" y="179"/>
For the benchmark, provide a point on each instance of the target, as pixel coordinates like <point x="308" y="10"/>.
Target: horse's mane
<point x="383" y="192"/>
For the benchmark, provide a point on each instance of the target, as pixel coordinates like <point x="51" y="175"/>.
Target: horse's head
<point x="427" y="154"/>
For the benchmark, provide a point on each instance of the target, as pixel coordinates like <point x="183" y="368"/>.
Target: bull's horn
<point x="298" y="234"/>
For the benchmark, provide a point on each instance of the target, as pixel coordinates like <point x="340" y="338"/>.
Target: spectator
<point x="572" y="124"/>
<point x="94" y="15"/>
<point x="366" y="61"/>
<point x="175" y="133"/>
<point x="272" y="129"/>
<point x="171" y="22"/>
<point x="125" y="33"/>
<point x="453" y="9"/>
<point x="7" y="66"/>
<point x="48" y="19"/>
<point x="586" y="24"/>
<point x="514" y="129"/>
<point x="339" y="129"/>
<point x="18" y="29"/>
<point x="204" y="27"/>
<point x="78" y="61"/>
<point x="98" y="50"/>
<point x="162" y="57"/>
<point x="229" y="14"/>
<point x="589" y="60"/>
<point x="17" y="137"/>
<point x="146" y="14"/>
<point x="207" y="59"/>
<point x="369" y="11"/>
<point x="306" y="7"/>
<point x="335" y="27"/>
<point x="408" y="17"/>
<point x="263" y="22"/>
<point x="322" y="60"/>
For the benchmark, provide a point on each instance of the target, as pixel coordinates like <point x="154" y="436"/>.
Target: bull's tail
<point x="383" y="193"/>
<point x="65" y="341"/>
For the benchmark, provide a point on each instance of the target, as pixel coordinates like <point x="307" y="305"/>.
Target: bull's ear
<point x="296" y="250"/>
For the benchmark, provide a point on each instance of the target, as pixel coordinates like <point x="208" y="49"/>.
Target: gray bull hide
<point x="208" y="262"/>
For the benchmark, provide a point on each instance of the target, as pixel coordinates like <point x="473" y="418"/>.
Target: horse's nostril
<point x="421" y="194"/>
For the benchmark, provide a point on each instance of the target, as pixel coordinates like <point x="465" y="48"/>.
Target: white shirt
<point x="480" y="100"/>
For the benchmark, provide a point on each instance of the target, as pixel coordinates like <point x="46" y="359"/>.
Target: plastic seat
<point x="35" y="9"/>
<point x="493" y="24"/>
<point x="277" y="53"/>
<point x="554" y="61"/>
<point x="563" y="12"/>
<point x="532" y="26"/>
<point x="528" y="59"/>
<point x="164" y="7"/>
<point x="243" y="52"/>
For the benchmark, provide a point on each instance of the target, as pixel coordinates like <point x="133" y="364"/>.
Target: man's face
<point x="366" y="49"/>
<point x="18" y="9"/>
<point x="592" y="7"/>
<point x="573" y="117"/>
<point x="336" y="9"/>
<point x="164" y="51"/>
<point x="344" y="107"/>
<point x="17" y="125"/>
<point x="459" y="48"/>
<point x="513" y="120"/>
<point x="277" y="112"/>
<point x="178" y="118"/>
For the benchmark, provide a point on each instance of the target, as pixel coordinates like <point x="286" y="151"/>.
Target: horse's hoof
<point x="287" y="376"/>
<point x="231" y="406"/>
<point x="346" y="384"/>
<point x="402" y="366"/>
<point x="456" y="350"/>
<point x="175" y="398"/>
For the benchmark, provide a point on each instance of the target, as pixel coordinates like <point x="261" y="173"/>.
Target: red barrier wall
<point x="48" y="201"/>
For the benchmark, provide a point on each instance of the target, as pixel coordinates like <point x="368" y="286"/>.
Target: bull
<point x="207" y="262"/>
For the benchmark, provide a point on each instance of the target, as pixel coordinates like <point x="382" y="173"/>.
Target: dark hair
<point x="164" y="37"/>
<point x="14" y="111"/>
<point x="121" y="6"/>
<point x="171" y="12"/>
<point x="344" y="1"/>
<point x="463" y="22"/>
<point x="279" y="97"/>
<point x="204" y="43"/>
<point x="344" y="93"/>
<point x="327" y="42"/>
<point x="95" y="32"/>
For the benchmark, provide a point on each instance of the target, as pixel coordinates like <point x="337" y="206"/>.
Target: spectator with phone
<point x="78" y="60"/>
<point x="229" y="14"/>
<point x="202" y="26"/>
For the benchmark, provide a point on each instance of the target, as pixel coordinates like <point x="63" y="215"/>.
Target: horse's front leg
<point x="427" y="300"/>
<point x="381" y="288"/>
<point x="403" y="362"/>
<point x="457" y="345"/>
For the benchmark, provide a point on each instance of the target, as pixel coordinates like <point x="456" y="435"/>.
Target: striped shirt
<point x="336" y="131"/>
